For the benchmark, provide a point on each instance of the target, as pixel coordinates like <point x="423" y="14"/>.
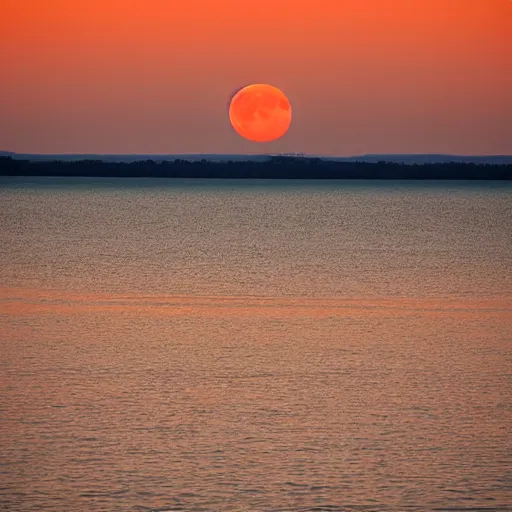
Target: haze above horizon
<point x="152" y="77"/>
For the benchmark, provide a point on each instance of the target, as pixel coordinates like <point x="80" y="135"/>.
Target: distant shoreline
<point x="273" y="167"/>
<point x="405" y="158"/>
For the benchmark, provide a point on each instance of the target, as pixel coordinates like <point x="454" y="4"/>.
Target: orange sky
<point x="155" y="76"/>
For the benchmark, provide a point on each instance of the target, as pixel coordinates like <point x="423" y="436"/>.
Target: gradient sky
<point x="156" y="76"/>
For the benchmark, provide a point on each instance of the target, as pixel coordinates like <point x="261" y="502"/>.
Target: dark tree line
<point x="279" y="167"/>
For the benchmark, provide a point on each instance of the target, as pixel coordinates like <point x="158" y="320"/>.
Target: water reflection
<point x="199" y="348"/>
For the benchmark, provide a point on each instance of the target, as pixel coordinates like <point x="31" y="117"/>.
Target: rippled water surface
<point x="268" y="346"/>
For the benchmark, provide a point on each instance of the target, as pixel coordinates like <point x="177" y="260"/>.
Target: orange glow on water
<point x="20" y="302"/>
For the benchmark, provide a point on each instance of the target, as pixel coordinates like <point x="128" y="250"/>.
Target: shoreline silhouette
<point x="275" y="167"/>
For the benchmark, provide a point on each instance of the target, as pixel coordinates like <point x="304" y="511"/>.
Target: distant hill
<point x="436" y="159"/>
<point x="191" y="157"/>
<point x="410" y="159"/>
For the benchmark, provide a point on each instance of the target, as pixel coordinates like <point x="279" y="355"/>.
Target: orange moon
<point x="260" y="112"/>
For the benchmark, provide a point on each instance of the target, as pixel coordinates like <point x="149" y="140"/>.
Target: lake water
<point x="261" y="346"/>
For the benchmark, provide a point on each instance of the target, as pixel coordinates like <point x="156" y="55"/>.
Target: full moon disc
<point x="260" y="112"/>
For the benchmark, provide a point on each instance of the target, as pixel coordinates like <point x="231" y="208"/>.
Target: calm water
<point x="256" y="346"/>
